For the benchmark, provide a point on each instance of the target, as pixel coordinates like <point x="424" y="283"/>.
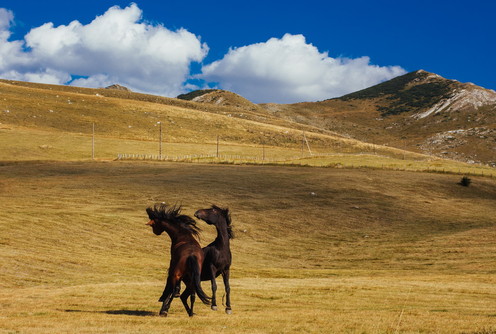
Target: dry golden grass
<point x="74" y="110"/>
<point x="316" y="250"/>
<point x="46" y="122"/>
<point x="337" y="305"/>
<point x="20" y="143"/>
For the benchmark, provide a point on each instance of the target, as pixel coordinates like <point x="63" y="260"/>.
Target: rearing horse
<point x="217" y="254"/>
<point x="186" y="255"/>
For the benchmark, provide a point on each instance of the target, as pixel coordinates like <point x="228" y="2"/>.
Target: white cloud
<point x="289" y="70"/>
<point x="119" y="47"/>
<point x="6" y="19"/>
<point x="12" y="56"/>
<point x="116" y="47"/>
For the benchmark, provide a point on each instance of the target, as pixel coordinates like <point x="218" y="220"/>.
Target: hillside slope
<point x="32" y="97"/>
<point x="220" y="97"/>
<point x="419" y="111"/>
<point x="124" y="115"/>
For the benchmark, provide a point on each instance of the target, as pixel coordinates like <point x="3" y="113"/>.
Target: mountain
<point x="221" y="97"/>
<point x="418" y="111"/>
<point x="118" y="87"/>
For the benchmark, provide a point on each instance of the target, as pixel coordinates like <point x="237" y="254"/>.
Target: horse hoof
<point x="214" y="307"/>
<point x="228" y="311"/>
<point x="162" y="314"/>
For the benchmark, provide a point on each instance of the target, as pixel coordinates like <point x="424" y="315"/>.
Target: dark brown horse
<point x="217" y="254"/>
<point x="186" y="255"/>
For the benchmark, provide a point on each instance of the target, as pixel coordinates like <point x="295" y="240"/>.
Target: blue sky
<point x="267" y="51"/>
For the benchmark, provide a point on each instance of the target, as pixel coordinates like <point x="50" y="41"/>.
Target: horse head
<point x="155" y="220"/>
<point x="216" y="216"/>
<point x="169" y="218"/>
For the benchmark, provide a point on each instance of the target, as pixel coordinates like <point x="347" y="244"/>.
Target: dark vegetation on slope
<point x="402" y="96"/>
<point x="191" y="95"/>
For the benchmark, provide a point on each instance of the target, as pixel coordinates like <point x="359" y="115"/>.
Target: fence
<point x="203" y="157"/>
<point x="242" y="159"/>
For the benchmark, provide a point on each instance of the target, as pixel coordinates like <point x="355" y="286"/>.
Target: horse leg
<point x="177" y="290"/>
<point x="225" y="276"/>
<point x="167" y="296"/>
<point x="214" y="288"/>
<point x="192" y="299"/>
<point x="165" y="306"/>
<point x="184" y="298"/>
<point x="168" y="285"/>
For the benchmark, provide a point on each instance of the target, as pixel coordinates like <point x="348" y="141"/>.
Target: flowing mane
<point x="172" y="214"/>
<point x="227" y="215"/>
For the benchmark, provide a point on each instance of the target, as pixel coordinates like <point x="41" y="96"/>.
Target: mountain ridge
<point x="419" y="111"/>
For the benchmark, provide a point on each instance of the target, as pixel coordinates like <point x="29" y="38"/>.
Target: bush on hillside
<point x="465" y="181"/>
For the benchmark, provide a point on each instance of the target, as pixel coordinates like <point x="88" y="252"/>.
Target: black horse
<point x="217" y="255"/>
<point x="186" y="255"/>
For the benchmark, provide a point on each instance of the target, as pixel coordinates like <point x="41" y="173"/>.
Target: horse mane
<point x="172" y="214"/>
<point x="227" y="215"/>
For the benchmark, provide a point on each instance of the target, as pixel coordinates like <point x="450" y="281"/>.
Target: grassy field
<point x="317" y="250"/>
<point x="27" y="144"/>
<point x="356" y="238"/>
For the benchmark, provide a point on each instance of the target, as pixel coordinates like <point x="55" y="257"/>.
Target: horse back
<point x="219" y="259"/>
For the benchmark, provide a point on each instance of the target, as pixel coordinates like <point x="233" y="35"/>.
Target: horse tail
<point x="196" y="278"/>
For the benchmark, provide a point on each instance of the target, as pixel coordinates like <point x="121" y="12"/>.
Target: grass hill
<point x="419" y="111"/>
<point x="197" y="93"/>
<point x="126" y="115"/>
<point x="50" y="122"/>
<point x="317" y="250"/>
<point x="221" y="98"/>
<point x="406" y="93"/>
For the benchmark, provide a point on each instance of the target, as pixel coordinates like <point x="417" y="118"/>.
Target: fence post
<point x="93" y="143"/>
<point x="160" y="141"/>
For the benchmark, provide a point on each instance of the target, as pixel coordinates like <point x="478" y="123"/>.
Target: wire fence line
<point x="298" y="161"/>
<point x="206" y="157"/>
<point x="231" y="157"/>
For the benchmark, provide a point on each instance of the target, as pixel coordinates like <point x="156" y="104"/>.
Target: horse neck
<point x="176" y="234"/>
<point x="222" y="235"/>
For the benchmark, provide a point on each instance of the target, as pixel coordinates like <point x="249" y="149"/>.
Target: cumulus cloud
<point x="6" y="19"/>
<point x="290" y="70"/>
<point x="120" y="47"/>
<point x="12" y="56"/>
<point x="116" y="47"/>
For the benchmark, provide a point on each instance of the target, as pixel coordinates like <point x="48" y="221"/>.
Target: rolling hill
<point x="50" y="122"/>
<point x="379" y="250"/>
<point x="419" y="111"/>
<point x="123" y="114"/>
<point x="221" y="98"/>
<point x="40" y="121"/>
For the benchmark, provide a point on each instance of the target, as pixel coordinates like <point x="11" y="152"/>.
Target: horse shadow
<point x="136" y="313"/>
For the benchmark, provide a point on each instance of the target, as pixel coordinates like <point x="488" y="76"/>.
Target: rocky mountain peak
<point x="118" y="87"/>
